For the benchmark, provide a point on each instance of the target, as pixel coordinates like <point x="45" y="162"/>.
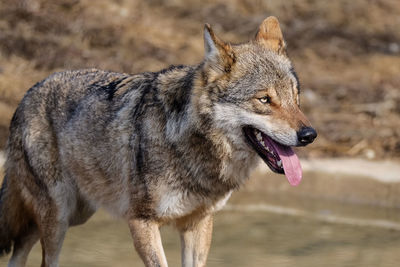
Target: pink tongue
<point x="291" y="163"/>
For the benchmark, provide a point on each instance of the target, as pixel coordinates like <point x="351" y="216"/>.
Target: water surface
<point x="241" y="238"/>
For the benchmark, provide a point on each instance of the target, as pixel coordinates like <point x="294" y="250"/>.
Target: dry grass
<point x="347" y="54"/>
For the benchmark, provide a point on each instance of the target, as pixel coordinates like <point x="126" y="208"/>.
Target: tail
<point x="16" y="221"/>
<point x="5" y="231"/>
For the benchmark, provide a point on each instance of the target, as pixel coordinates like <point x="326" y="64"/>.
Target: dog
<point x="155" y="148"/>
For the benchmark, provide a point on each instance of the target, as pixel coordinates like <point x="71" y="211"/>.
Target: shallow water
<point x="242" y="237"/>
<point x="268" y="223"/>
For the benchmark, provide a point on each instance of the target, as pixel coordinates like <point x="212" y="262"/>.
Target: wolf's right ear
<point x="218" y="54"/>
<point x="270" y="35"/>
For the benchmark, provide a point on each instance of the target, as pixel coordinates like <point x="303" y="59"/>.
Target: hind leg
<point x="22" y="247"/>
<point x="53" y="230"/>
<point x="53" y="222"/>
<point x="52" y="233"/>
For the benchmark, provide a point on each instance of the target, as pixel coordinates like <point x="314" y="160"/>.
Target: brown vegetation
<point x="347" y="54"/>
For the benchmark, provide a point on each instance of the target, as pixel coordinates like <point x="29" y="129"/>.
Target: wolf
<point x="154" y="148"/>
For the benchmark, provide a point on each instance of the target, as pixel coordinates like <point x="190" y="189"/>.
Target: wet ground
<point x="258" y="234"/>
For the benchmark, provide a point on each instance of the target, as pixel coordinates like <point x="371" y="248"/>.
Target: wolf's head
<point x="254" y="93"/>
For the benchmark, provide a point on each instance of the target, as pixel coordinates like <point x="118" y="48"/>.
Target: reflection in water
<point x="241" y="238"/>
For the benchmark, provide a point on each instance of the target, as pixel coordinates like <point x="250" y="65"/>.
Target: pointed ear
<point x="270" y="35"/>
<point x="218" y="54"/>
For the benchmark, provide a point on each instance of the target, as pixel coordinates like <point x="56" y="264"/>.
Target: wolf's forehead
<point x="256" y="60"/>
<point x="259" y="69"/>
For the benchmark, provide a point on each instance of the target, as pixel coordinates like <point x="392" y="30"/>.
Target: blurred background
<point x="347" y="56"/>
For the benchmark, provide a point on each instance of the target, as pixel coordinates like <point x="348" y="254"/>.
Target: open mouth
<point x="279" y="158"/>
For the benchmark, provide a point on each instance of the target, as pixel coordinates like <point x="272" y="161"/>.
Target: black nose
<point x="306" y="135"/>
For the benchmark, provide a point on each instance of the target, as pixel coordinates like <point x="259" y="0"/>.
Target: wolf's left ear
<point x="218" y="54"/>
<point x="270" y="35"/>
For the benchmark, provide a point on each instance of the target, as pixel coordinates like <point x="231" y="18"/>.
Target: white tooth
<point x="279" y="163"/>
<point x="259" y="137"/>
<point x="263" y="144"/>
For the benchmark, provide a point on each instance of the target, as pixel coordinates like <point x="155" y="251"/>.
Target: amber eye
<point x="265" y="99"/>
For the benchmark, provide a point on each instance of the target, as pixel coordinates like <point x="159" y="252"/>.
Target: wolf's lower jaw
<point x="262" y="144"/>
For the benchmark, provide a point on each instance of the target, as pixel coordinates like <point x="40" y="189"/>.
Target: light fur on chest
<point x="175" y="203"/>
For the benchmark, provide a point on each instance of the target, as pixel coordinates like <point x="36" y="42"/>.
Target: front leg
<point x="147" y="241"/>
<point x="196" y="239"/>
